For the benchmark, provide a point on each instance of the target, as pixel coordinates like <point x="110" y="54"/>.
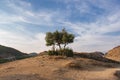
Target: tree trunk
<point x="65" y="45"/>
<point x="59" y="46"/>
<point x="53" y="47"/>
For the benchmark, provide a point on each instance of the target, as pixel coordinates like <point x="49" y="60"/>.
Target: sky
<point x="95" y="23"/>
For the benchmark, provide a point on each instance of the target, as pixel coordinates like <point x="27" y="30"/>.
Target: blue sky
<point x="95" y="23"/>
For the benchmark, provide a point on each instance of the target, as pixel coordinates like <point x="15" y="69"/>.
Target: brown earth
<point x="58" y="68"/>
<point x="114" y="54"/>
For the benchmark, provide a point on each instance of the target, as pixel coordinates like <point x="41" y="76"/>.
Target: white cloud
<point x="23" y="42"/>
<point x="21" y="11"/>
<point x="91" y="35"/>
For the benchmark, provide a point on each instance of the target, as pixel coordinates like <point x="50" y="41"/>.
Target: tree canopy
<point x="59" y="38"/>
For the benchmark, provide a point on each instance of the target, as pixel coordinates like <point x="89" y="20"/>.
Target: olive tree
<point x="50" y="40"/>
<point x="67" y="38"/>
<point x="59" y="38"/>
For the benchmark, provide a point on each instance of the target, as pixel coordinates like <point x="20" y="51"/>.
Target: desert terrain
<point x="46" y="67"/>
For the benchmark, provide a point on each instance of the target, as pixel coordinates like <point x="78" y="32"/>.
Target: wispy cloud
<point x="89" y="20"/>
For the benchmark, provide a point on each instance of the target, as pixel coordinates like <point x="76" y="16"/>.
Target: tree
<point x="58" y="38"/>
<point x="50" y="40"/>
<point x="67" y="38"/>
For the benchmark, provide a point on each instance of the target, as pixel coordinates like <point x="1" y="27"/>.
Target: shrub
<point x="51" y="52"/>
<point x="64" y="52"/>
<point x="68" y="52"/>
<point x="75" y="65"/>
<point x="117" y="74"/>
<point x="3" y="60"/>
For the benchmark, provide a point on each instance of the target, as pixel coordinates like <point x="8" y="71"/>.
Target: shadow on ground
<point x="23" y="77"/>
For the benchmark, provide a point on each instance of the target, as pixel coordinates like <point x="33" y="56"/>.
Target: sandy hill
<point x="114" y="54"/>
<point x="46" y="67"/>
<point x="6" y="52"/>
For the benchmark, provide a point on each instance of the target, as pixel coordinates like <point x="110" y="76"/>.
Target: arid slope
<point x="57" y="68"/>
<point x="114" y="54"/>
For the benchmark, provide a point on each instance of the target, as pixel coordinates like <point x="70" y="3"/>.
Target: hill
<point x="99" y="56"/>
<point x="7" y="52"/>
<point x="114" y="54"/>
<point x="44" y="67"/>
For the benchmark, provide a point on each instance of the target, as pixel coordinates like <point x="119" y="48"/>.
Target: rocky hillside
<point x="114" y="54"/>
<point x="6" y="52"/>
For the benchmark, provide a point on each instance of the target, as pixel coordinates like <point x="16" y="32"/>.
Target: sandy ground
<point x="50" y="68"/>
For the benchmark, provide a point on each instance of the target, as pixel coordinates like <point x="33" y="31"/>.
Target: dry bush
<point x="86" y="64"/>
<point x="57" y="57"/>
<point x="78" y="64"/>
<point x="74" y="65"/>
<point x="117" y="74"/>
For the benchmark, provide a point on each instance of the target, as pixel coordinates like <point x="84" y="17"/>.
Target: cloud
<point x="95" y="43"/>
<point x="19" y="16"/>
<point x="22" y="42"/>
<point x="91" y="36"/>
<point x="22" y="12"/>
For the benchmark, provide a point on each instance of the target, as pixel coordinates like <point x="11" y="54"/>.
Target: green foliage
<point x="67" y="38"/>
<point x="58" y="38"/>
<point x="3" y="60"/>
<point x="64" y="52"/>
<point x="68" y="52"/>
<point x="51" y="52"/>
<point x="49" y="39"/>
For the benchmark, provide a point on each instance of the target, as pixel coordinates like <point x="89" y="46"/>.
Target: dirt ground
<point x="54" y="68"/>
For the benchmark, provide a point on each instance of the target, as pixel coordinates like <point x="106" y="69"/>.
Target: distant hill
<point x="114" y="54"/>
<point x="99" y="56"/>
<point x="33" y="54"/>
<point x="6" y="52"/>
